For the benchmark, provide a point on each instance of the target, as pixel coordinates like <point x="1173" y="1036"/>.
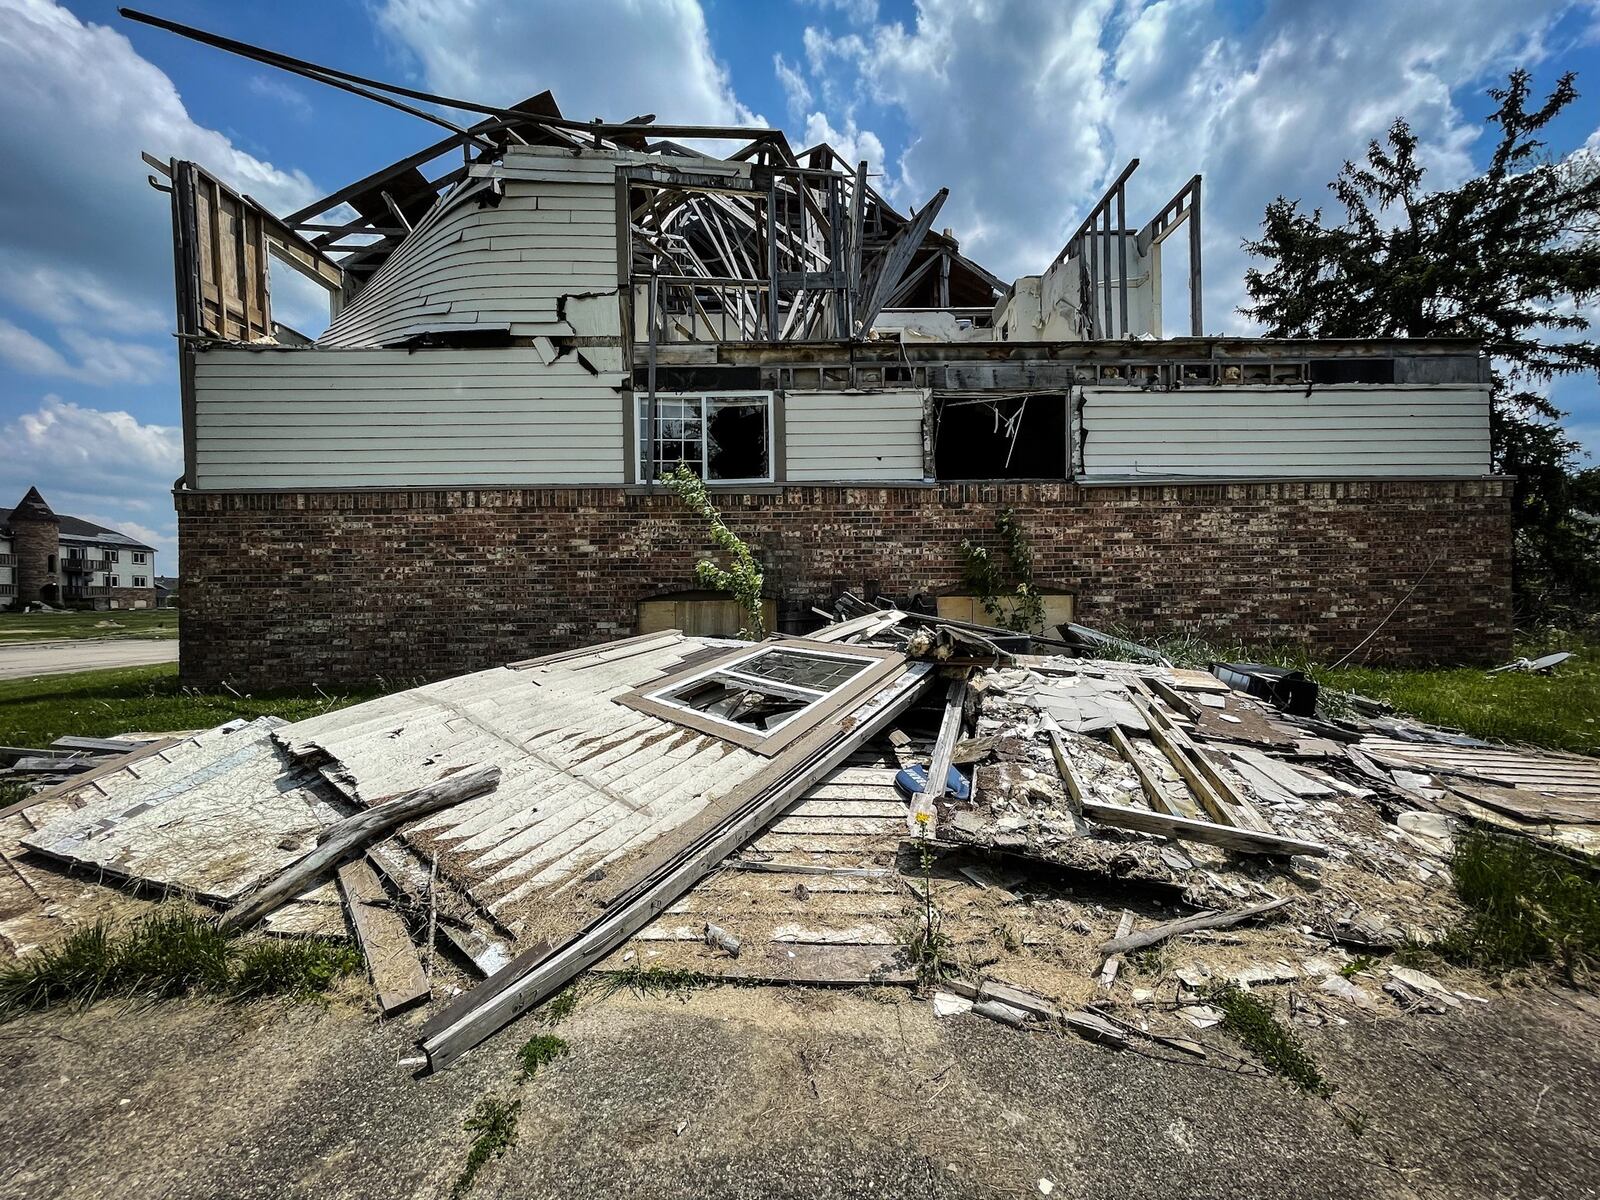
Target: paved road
<point x="22" y="659"/>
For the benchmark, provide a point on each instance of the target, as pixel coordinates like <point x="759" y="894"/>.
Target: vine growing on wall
<point x="742" y="580"/>
<point x="1003" y="582"/>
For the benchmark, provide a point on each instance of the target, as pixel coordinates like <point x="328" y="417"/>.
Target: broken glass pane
<point x="800" y="669"/>
<point x="736" y="439"/>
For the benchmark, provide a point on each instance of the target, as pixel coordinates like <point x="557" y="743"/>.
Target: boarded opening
<point x="1009" y="437"/>
<point x="699" y="614"/>
<point x="1058" y="609"/>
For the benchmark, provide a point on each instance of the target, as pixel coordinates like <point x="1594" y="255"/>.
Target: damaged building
<point x="534" y="318"/>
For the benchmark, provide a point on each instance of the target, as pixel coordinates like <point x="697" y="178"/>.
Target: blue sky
<point x="1023" y="109"/>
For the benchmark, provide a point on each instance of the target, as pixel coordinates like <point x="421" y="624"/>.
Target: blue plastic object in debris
<point x="913" y="780"/>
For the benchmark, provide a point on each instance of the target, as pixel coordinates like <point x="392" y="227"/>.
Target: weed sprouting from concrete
<point x="495" y="1122"/>
<point x="1250" y="1020"/>
<point x="538" y="1050"/>
<point x="174" y="951"/>
<point x="560" y="1006"/>
<point x="653" y="981"/>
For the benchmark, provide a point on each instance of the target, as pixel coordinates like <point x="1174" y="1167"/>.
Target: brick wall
<point x="291" y="588"/>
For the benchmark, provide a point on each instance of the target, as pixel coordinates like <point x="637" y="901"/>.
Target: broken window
<point x="763" y="697"/>
<point x="721" y="438"/>
<point x="1000" y="437"/>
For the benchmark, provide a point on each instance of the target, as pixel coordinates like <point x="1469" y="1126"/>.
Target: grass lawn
<point x="148" y="699"/>
<point x="1560" y="711"/>
<point x="37" y="627"/>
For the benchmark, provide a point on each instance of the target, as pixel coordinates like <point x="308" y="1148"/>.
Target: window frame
<point x="650" y="699"/>
<point x="139" y="557"/>
<point x="644" y="450"/>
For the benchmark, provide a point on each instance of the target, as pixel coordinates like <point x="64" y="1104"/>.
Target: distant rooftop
<point x="73" y="529"/>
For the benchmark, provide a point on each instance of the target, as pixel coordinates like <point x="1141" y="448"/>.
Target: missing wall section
<point x="1000" y="437"/>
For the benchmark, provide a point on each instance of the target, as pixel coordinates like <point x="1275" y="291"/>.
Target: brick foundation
<point x="287" y="589"/>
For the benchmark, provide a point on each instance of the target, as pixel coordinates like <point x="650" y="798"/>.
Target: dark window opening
<point x="1012" y="437"/>
<point x="741" y="705"/>
<point x="50" y="564"/>
<point x="1351" y="370"/>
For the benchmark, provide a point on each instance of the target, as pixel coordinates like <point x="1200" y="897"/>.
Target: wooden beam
<point x="1158" y="799"/>
<point x="1075" y="792"/>
<point x="392" y="963"/>
<point x="350" y="836"/>
<point x="1167" y="929"/>
<point x="1246" y="841"/>
<point x="896" y="258"/>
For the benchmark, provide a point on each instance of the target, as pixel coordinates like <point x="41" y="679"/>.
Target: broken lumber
<point x="924" y="808"/>
<point x="1108" y="971"/>
<point x="353" y="834"/>
<point x="667" y="869"/>
<point x="108" y="767"/>
<point x="1230" y="837"/>
<point x="392" y="963"/>
<point x="1160" y="802"/>
<point x="1168" y="929"/>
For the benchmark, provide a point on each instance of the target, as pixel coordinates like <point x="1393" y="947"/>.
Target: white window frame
<point x="140" y="581"/>
<point x="644" y="450"/>
<point x="111" y="581"/>
<point x="139" y="557"/>
<point x="113" y="556"/>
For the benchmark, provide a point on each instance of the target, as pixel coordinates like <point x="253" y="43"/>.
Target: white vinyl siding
<point x="470" y="266"/>
<point x="397" y="418"/>
<point x="864" y="437"/>
<point x="1347" y="431"/>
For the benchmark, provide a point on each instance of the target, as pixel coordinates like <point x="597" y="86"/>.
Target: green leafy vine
<point x="743" y="579"/>
<point x="1004" y="582"/>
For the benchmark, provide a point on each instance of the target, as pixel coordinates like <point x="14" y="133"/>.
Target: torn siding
<point x="482" y="260"/>
<point x="1323" y="432"/>
<point x="317" y="418"/>
<point x="855" y="436"/>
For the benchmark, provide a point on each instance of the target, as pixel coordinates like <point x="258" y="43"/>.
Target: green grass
<point x="1560" y="710"/>
<point x="1252" y="1022"/>
<point x="135" y="623"/>
<point x="652" y="981"/>
<point x="538" y="1050"/>
<point x="495" y="1122"/>
<point x="174" y="951"/>
<point x="1527" y="905"/>
<point x="33" y="712"/>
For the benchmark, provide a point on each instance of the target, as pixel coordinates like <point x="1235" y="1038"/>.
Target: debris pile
<point x="1036" y="836"/>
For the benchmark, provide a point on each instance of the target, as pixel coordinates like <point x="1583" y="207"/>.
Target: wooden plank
<point x="1176" y="754"/>
<point x="1108" y="970"/>
<point x="1075" y="792"/>
<point x="392" y="963"/>
<point x="1152" y="790"/>
<point x="1244" y="840"/>
<point x="67" y="787"/>
<point x="922" y="817"/>
<point x="101" y="745"/>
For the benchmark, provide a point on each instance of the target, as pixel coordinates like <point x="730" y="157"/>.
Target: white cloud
<point x="285" y="93"/>
<point x="94" y="360"/>
<point x="1025" y="110"/>
<point x="853" y="144"/>
<point x="614" y="59"/>
<point x="795" y="89"/>
<point x="83" y="238"/>
<point x="857" y="12"/>
<point x="104" y="466"/>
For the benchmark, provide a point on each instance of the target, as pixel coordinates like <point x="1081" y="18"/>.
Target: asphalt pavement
<point x="21" y="660"/>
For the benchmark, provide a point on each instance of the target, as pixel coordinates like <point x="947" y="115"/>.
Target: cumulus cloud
<point x="1026" y="110"/>
<point x="89" y="359"/>
<point x="83" y="239"/>
<point x="602" y="58"/>
<point x="104" y="466"/>
<point x="853" y="144"/>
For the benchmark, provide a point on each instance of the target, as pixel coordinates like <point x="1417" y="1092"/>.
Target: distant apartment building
<point x="67" y="562"/>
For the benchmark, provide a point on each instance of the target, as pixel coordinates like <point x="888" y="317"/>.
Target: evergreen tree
<point x="1509" y="257"/>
